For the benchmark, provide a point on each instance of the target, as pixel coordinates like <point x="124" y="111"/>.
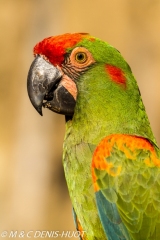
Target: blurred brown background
<point x="33" y="193"/>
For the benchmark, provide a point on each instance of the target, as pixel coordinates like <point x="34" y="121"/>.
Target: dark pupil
<point x="80" y="56"/>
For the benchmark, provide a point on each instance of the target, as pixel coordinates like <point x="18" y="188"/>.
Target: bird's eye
<point x="81" y="57"/>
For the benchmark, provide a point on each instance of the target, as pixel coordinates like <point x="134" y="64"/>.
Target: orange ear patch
<point x="116" y="75"/>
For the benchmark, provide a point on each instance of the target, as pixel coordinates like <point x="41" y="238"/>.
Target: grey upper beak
<point x="42" y="77"/>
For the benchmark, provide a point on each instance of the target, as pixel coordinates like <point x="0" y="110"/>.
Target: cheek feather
<point x="69" y="85"/>
<point x="116" y="74"/>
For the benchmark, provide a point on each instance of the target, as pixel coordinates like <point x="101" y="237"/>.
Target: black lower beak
<point x="45" y="88"/>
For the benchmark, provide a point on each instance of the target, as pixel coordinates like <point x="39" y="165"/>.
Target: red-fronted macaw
<point x="110" y="156"/>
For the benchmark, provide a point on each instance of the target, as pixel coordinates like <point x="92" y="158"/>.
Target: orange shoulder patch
<point x="129" y="145"/>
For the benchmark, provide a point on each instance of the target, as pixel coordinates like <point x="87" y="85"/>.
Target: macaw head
<point x="88" y="81"/>
<point x="58" y="74"/>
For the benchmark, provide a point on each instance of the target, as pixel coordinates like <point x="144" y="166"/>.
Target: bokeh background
<point x="33" y="193"/>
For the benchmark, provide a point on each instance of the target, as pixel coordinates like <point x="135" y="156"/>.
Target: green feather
<point x="104" y="107"/>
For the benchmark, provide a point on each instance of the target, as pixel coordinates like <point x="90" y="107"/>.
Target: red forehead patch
<point x="116" y="74"/>
<point x="54" y="48"/>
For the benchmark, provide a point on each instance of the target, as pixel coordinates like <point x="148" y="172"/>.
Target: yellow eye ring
<point x="81" y="57"/>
